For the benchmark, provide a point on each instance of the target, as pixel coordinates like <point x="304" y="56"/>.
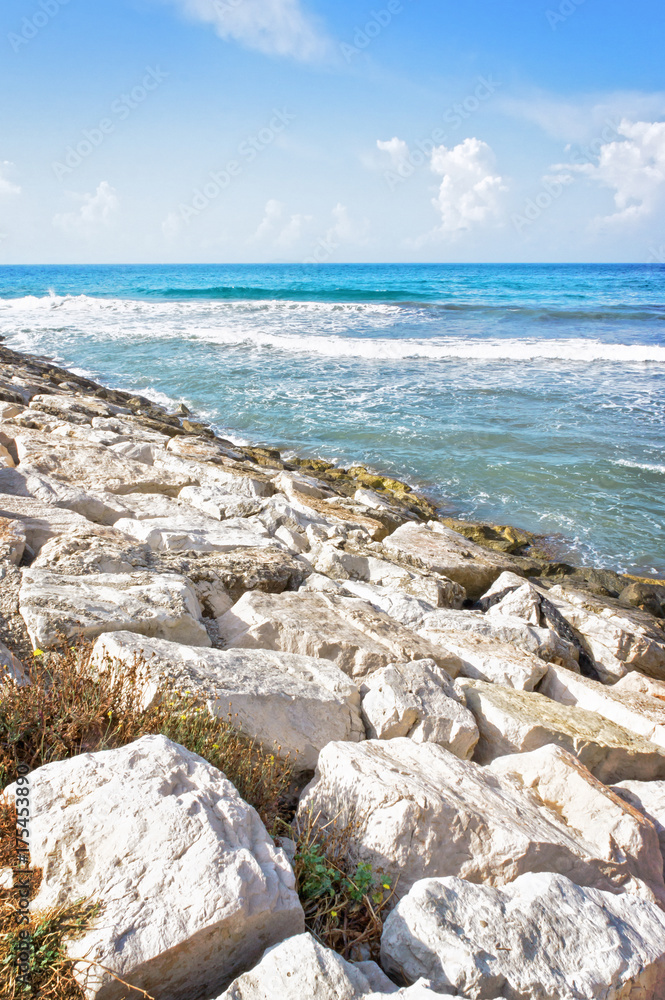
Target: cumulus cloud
<point x="632" y="166"/>
<point x="95" y="210"/>
<point x="276" y="27"/>
<point x="6" y="186"/>
<point x="470" y="191"/>
<point x="282" y="230"/>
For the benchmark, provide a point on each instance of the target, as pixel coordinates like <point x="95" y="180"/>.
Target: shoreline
<point x="536" y="550"/>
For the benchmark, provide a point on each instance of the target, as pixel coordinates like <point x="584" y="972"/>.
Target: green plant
<point x="344" y="900"/>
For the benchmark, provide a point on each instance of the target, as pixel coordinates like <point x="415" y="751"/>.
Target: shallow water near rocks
<point x="523" y="394"/>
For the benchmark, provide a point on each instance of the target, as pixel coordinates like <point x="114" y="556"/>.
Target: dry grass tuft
<point x="71" y="709"/>
<point x="345" y="902"/>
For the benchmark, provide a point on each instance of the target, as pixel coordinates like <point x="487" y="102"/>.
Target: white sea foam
<point x="646" y="466"/>
<point x="344" y="330"/>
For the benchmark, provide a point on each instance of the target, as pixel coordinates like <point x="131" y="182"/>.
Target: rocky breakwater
<point x="484" y="726"/>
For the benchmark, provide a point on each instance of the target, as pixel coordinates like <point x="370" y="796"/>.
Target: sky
<point x="209" y="131"/>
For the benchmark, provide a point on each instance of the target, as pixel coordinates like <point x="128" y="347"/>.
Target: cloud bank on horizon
<point x="299" y="130"/>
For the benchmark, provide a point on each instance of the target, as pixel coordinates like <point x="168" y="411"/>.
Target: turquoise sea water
<point x="531" y="395"/>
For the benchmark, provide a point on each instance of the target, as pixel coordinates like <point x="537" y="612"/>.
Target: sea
<point x="531" y="395"/>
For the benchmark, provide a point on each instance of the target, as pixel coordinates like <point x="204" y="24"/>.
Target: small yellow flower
<point x="386" y="886"/>
<point x="183" y="718"/>
<point x="215" y="746"/>
<point x="38" y="652"/>
<point x="334" y="913"/>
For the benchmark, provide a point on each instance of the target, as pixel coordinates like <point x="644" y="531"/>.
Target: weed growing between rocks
<point x="70" y="708"/>
<point x="344" y="902"/>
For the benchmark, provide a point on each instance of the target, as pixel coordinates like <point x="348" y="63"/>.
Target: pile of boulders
<point x="488" y="729"/>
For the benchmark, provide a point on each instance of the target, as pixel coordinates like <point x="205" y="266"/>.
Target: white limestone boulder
<point x="541" y="642"/>
<point x="649" y="798"/>
<point x="519" y="721"/>
<point x="217" y="503"/>
<point x="640" y="713"/>
<point x="542" y="937"/>
<point x="195" y="534"/>
<point x="492" y="660"/>
<point x="416" y="811"/>
<point x="92" y="469"/>
<point x="192" y="888"/>
<point x="56" y="606"/>
<point x="619" y="639"/>
<point x="444" y="552"/>
<point x="296" y="485"/>
<point x="350" y="633"/>
<point x="302" y="969"/>
<point x="360" y="566"/>
<point x="635" y="683"/>
<point x="39" y="521"/>
<point x="195" y="473"/>
<point x="557" y="781"/>
<point x="293" y="705"/>
<point x="418" y="700"/>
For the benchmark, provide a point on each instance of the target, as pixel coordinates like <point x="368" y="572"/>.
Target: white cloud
<point x="470" y="192"/>
<point x="588" y="116"/>
<point x="397" y="150"/>
<point x="96" y="209"/>
<point x="276" y="27"/>
<point x="283" y="231"/>
<point x="6" y="186"/>
<point x="633" y="166"/>
<point x="344" y="229"/>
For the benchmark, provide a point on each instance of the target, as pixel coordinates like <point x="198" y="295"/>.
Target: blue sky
<point x="293" y="130"/>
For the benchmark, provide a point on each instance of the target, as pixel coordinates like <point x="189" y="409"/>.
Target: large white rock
<point x="543" y="937"/>
<point x="446" y="553"/>
<point x="519" y="721"/>
<point x="302" y="969"/>
<point x="635" y="683"/>
<point x="416" y="811"/>
<point x="557" y="780"/>
<point x="218" y="503"/>
<point x="649" y="798"/>
<point x="350" y="633"/>
<point x="492" y="660"/>
<point x="619" y="639"/>
<point x="91" y="468"/>
<point x="192" y="887"/>
<point x="56" y="606"/>
<point x="418" y="700"/>
<point x="196" y="533"/>
<point x="541" y="642"/>
<point x="40" y="521"/>
<point x="197" y="473"/>
<point x="640" y="713"/>
<point x="294" y="703"/>
<point x="361" y="566"/>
